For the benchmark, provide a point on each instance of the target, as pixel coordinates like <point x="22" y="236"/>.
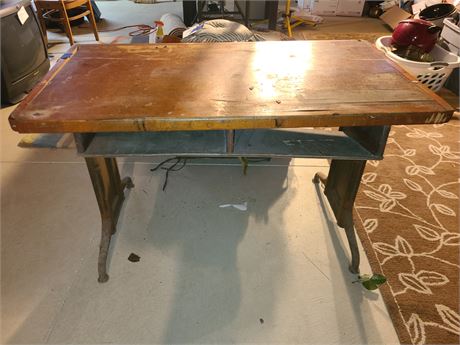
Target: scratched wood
<point x="221" y="86"/>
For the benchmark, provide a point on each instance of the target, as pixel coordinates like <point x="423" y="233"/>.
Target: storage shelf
<point x="248" y="143"/>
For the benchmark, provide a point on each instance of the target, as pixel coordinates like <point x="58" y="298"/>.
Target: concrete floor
<point x="276" y="273"/>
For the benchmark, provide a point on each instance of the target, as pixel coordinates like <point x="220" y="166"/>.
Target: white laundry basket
<point x="432" y="74"/>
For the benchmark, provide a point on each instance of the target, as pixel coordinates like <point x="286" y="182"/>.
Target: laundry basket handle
<point x="438" y="64"/>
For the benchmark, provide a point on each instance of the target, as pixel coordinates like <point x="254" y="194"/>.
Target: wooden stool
<point x="46" y="7"/>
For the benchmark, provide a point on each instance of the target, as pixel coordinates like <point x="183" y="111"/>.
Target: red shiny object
<point x="415" y="32"/>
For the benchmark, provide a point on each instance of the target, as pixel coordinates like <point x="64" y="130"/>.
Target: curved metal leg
<point x="126" y="183"/>
<point x="320" y="177"/>
<point x="109" y="190"/>
<point x="106" y="234"/>
<point x="353" y="244"/>
<point x="108" y="229"/>
<point x="341" y="187"/>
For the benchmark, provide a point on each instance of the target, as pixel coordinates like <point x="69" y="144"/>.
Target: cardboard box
<point x="324" y="7"/>
<point x="350" y="8"/>
<point x="394" y="15"/>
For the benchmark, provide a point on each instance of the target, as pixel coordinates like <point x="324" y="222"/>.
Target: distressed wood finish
<point x="226" y="86"/>
<point x="208" y="95"/>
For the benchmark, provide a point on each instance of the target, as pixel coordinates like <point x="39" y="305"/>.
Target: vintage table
<point x="228" y="99"/>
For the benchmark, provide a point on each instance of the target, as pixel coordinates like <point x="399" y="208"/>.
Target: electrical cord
<point x="184" y="160"/>
<point x="142" y="29"/>
<point x="171" y="168"/>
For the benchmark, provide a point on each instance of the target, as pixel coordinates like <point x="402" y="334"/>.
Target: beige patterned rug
<point x="407" y="217"/>
<point x="320" y="35"/>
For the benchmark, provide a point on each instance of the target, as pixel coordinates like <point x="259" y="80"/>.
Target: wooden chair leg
<point x="92" y="20"/>
<point x="66" y="22"/>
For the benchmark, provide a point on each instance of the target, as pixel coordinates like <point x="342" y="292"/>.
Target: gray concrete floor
<point x="276" y="273"/>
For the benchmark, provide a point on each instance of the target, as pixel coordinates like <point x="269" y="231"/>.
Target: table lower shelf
<point x="348" y="149"/>
<point x="247" y="143"/>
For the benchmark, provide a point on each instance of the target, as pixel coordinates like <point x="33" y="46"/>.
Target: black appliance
<point x="24" y="57"/>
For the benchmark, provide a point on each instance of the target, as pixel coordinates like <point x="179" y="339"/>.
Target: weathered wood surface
<point x="203" y="86"/>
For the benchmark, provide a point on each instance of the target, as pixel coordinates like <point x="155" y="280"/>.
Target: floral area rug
<point x="319" y="35"/>
<point x="407" y="217"/>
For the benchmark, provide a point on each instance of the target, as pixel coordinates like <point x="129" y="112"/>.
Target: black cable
<point x="178" y="159"/>
<point x="163" y="163"/>
<point x="170" y="168"/>
<point x="142" y="29"/>
<point x="184" y="161"/>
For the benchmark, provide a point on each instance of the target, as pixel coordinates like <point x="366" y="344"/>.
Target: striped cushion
<point x="221" y="30"/>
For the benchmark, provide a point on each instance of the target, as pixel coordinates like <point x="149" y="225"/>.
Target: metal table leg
<point x="341" y="187"/>
<point x="272" y="13"/>
<point x="109" y="190"/>
<point x="344" y="178"/>
<point x="190" y="12"/>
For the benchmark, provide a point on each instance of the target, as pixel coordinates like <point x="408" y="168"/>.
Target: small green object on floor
<point x="371" y="282"/>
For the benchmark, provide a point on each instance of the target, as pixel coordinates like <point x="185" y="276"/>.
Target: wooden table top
<point x="201" y="86"/>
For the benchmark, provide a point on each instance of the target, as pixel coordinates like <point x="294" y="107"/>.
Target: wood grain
<point x="207" y="86"/>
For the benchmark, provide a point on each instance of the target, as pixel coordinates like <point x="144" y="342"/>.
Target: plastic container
<point x="438" y="12"/>
<point x="451" y="35"/>
<point x="431" y="74"/>
<point x="173" y="25"/>
<point x="159" y="32"/>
